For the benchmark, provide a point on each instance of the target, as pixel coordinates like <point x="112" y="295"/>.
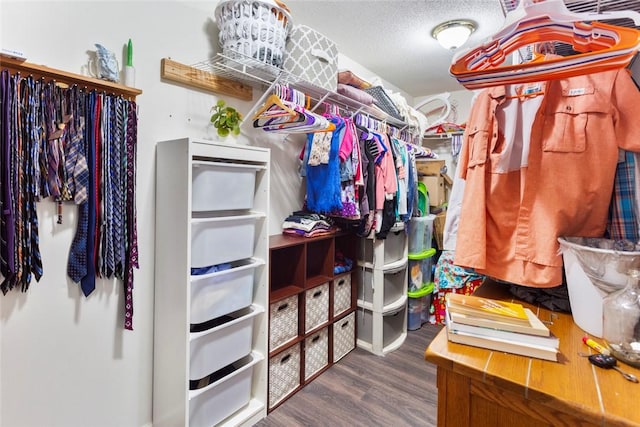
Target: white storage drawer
<point x="393" y="325"/>
<point x="394" y="284"/>
<point x="283" y="321"/>
<point x="344" y="336"/>
<point x="220" y="186"/>
<point x="222" y="239"/>
<point x="220" y="399"/>
<point x="284" y="374"/>
<point x="215" y="348"/>
<point x="216" y="294"/>
<point x="316" y="352"/>
<point x="316" y="309"/>
<point x="341" y="294"/>
<point x="394" y="249"/>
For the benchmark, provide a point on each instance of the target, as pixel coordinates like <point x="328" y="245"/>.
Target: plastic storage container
<point x="394" y="248"/>
<point x="215" y="348"/>
<point x="595" y="267"/>
<point x="216" y="294"/>
<point x="420" y="233"/>
<point x="206" y="234"/>
<point x="222" y="186"/>
<point x="420" y="269"/>
<point x="220" y="399"/>
<point x="419" y="303"/>
<point x="393" y="282"/>
<point x="393" y="326"/>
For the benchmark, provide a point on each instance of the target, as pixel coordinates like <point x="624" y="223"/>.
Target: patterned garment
<point x="450" y="278"/>
<point x="623" y="211"/>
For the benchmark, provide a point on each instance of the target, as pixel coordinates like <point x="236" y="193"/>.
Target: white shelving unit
<point x="381" y="276"/>
<point x="211" y="334"/>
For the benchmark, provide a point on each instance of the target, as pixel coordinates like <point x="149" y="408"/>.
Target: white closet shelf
<point x="253" y="72"/>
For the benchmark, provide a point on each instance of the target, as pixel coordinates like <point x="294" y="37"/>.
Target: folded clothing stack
<point x="306" y="224"/>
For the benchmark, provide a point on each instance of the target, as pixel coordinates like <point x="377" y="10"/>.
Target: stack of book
<point x="498" y="325"/>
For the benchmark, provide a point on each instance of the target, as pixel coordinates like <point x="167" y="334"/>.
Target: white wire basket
<point x="253" y="30"/>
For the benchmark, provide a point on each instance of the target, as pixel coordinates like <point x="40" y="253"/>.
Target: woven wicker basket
<point x="253" y="32"/>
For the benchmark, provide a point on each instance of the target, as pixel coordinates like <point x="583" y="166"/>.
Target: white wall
<point x="65" y="360"/>
<point x="462" y="100"/>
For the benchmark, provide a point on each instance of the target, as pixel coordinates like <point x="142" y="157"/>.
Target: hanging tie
<point x="34" y="261"/>
<point x="7" y="167"/>
<point x="77" y="265"/>
<point x="132" y="236"/>
<point x="118" y="168"/>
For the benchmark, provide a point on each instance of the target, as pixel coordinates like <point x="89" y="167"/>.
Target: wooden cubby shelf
<point x="311" y="310"/>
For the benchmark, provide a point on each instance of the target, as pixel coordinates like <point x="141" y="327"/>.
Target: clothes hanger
<point x="274" y="106"/>
<point x="602" y="46"/>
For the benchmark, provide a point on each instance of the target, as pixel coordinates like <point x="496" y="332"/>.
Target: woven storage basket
<point x="382" y="100"/>
<point x="253" y="32"/>
<point x="344" y="335"/>
<point x="316" y="352"/>
<point x="316" y="310"/>
<point x="284" y="374"/>
<point x="283" y="321"/>
<point x="341" y="294"/>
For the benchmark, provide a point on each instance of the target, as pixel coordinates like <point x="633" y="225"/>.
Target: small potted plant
<point x="225" y="119"/>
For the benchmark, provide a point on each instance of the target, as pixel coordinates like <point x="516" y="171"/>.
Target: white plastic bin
<point x="216" y="294"/>
<point x="222" y="239"/>
<point x="220" y="186"/>
<point x="215" y="348"/>
<point x="594" y="267"/>
<point x="420" y="233"/>
<point x="394" y="284"/>
<point x="219" y="400"/>
<point x="393" y="325"/>
<point x="394" y="248"/>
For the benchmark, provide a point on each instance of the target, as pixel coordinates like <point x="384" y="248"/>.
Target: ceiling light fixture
<point x="453" y="34"/>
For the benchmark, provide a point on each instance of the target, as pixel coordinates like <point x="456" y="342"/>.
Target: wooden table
<point x="480" y="387"/>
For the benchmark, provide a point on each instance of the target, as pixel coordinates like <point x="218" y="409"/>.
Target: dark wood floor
<point x="362" y="389"/>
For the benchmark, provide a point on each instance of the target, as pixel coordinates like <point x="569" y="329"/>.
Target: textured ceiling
<point x="392" y="38"/>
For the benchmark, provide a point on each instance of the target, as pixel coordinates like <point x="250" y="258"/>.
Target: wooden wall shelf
<point x="65" y="77"/>
<point x="201" y="79"/>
